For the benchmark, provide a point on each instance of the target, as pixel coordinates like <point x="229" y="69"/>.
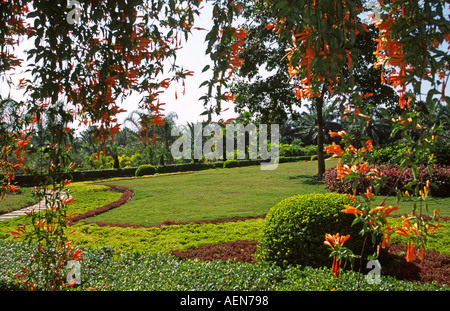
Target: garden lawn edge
<point x="127" y="194"/>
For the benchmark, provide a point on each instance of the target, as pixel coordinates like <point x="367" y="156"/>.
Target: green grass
<point x="213" y="194"/>
<point x="17" y="200"/>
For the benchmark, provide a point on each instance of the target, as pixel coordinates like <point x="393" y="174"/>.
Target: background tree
<point x="272" y="99"/>
<point x="261" y="85"/>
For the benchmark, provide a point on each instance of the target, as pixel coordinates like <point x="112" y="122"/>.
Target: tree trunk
<point x="320" y="137"/>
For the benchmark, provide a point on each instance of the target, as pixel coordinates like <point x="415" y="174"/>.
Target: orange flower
<point x="335" y="269"/>
<point x="336" y="149"/>
<point x="369" y="194"/>
<point x="410" y="255"/>
<point x="68" y="200"/>
<point x="353" y="197"/>
<point x="349" y="209"/>
<point x="340" y="133"/>
<point x="363" y="167"/>
<point x="351" y="148"/>
<point x="369" y="145"/>
<point x="342" y="171"/>
<point x="335" y="241"/>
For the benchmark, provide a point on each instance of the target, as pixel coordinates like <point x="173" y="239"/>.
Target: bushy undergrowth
<point x="389" y="153"/>
<point x="393" y="177"/>
<point x="293" y="150"/>
<point x="102" y="270"/>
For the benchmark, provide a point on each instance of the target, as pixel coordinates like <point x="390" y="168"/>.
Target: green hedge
<point x="231" y="163"/>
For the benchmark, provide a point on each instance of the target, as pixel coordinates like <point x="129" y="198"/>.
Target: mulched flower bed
<point x="433" y="267"/>
<point x="239" y="250"/>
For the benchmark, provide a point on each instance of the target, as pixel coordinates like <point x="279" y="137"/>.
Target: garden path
<point x="37" y="207"/>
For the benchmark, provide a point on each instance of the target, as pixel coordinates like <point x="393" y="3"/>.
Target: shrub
<point x="394" y="177"/>
<point x="294" y="230"/>
<point x="388" y="153"/>
<point x="231" y="163"/>
<point x="145" y="169"/>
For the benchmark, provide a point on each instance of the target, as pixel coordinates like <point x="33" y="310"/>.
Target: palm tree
<point x="305" y="128"/>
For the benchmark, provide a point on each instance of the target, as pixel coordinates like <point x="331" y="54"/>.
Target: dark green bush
<point x="390" y="153"/>
<point x="145" y="169"/>
<point x="294" y="230"/>
<point x="231" y="163"/>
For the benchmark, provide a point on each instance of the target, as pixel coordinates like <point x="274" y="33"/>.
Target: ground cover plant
<point x="102" y="270"/>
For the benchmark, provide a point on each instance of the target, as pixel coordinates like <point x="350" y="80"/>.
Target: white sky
<point x="191" y="57"/>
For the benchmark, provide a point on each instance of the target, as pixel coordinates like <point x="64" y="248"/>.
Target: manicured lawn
<point x="225" y="193"/>
<point x="212" y="194"/>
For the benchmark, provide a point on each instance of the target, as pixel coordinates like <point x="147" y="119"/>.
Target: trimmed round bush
<point x="230" y="164"/>
<point x="294" y="230"/>
<point x="145" y="169"/>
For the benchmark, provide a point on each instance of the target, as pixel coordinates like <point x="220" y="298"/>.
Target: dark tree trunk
<point x="320" y="137"/>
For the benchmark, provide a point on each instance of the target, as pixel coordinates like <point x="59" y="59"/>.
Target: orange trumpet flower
<point x="336" y="149"/>
<point x="351" y="210"/>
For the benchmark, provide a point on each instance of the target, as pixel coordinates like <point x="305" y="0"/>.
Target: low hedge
<point x="394" y="177"/>
<point x="231" y="163"/>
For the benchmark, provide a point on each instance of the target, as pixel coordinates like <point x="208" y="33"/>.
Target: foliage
<point x="165" y="238"/>
<point x="393" y="180"/>
<point x="294" y="150"/>
<point x="231" y="163"/>
<point x="145" y="170"/>
<point x="321" y="59"/>
<point x="295" y="228"/>
<point x="101" y="270"/>
<point x="390" y="153"/>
